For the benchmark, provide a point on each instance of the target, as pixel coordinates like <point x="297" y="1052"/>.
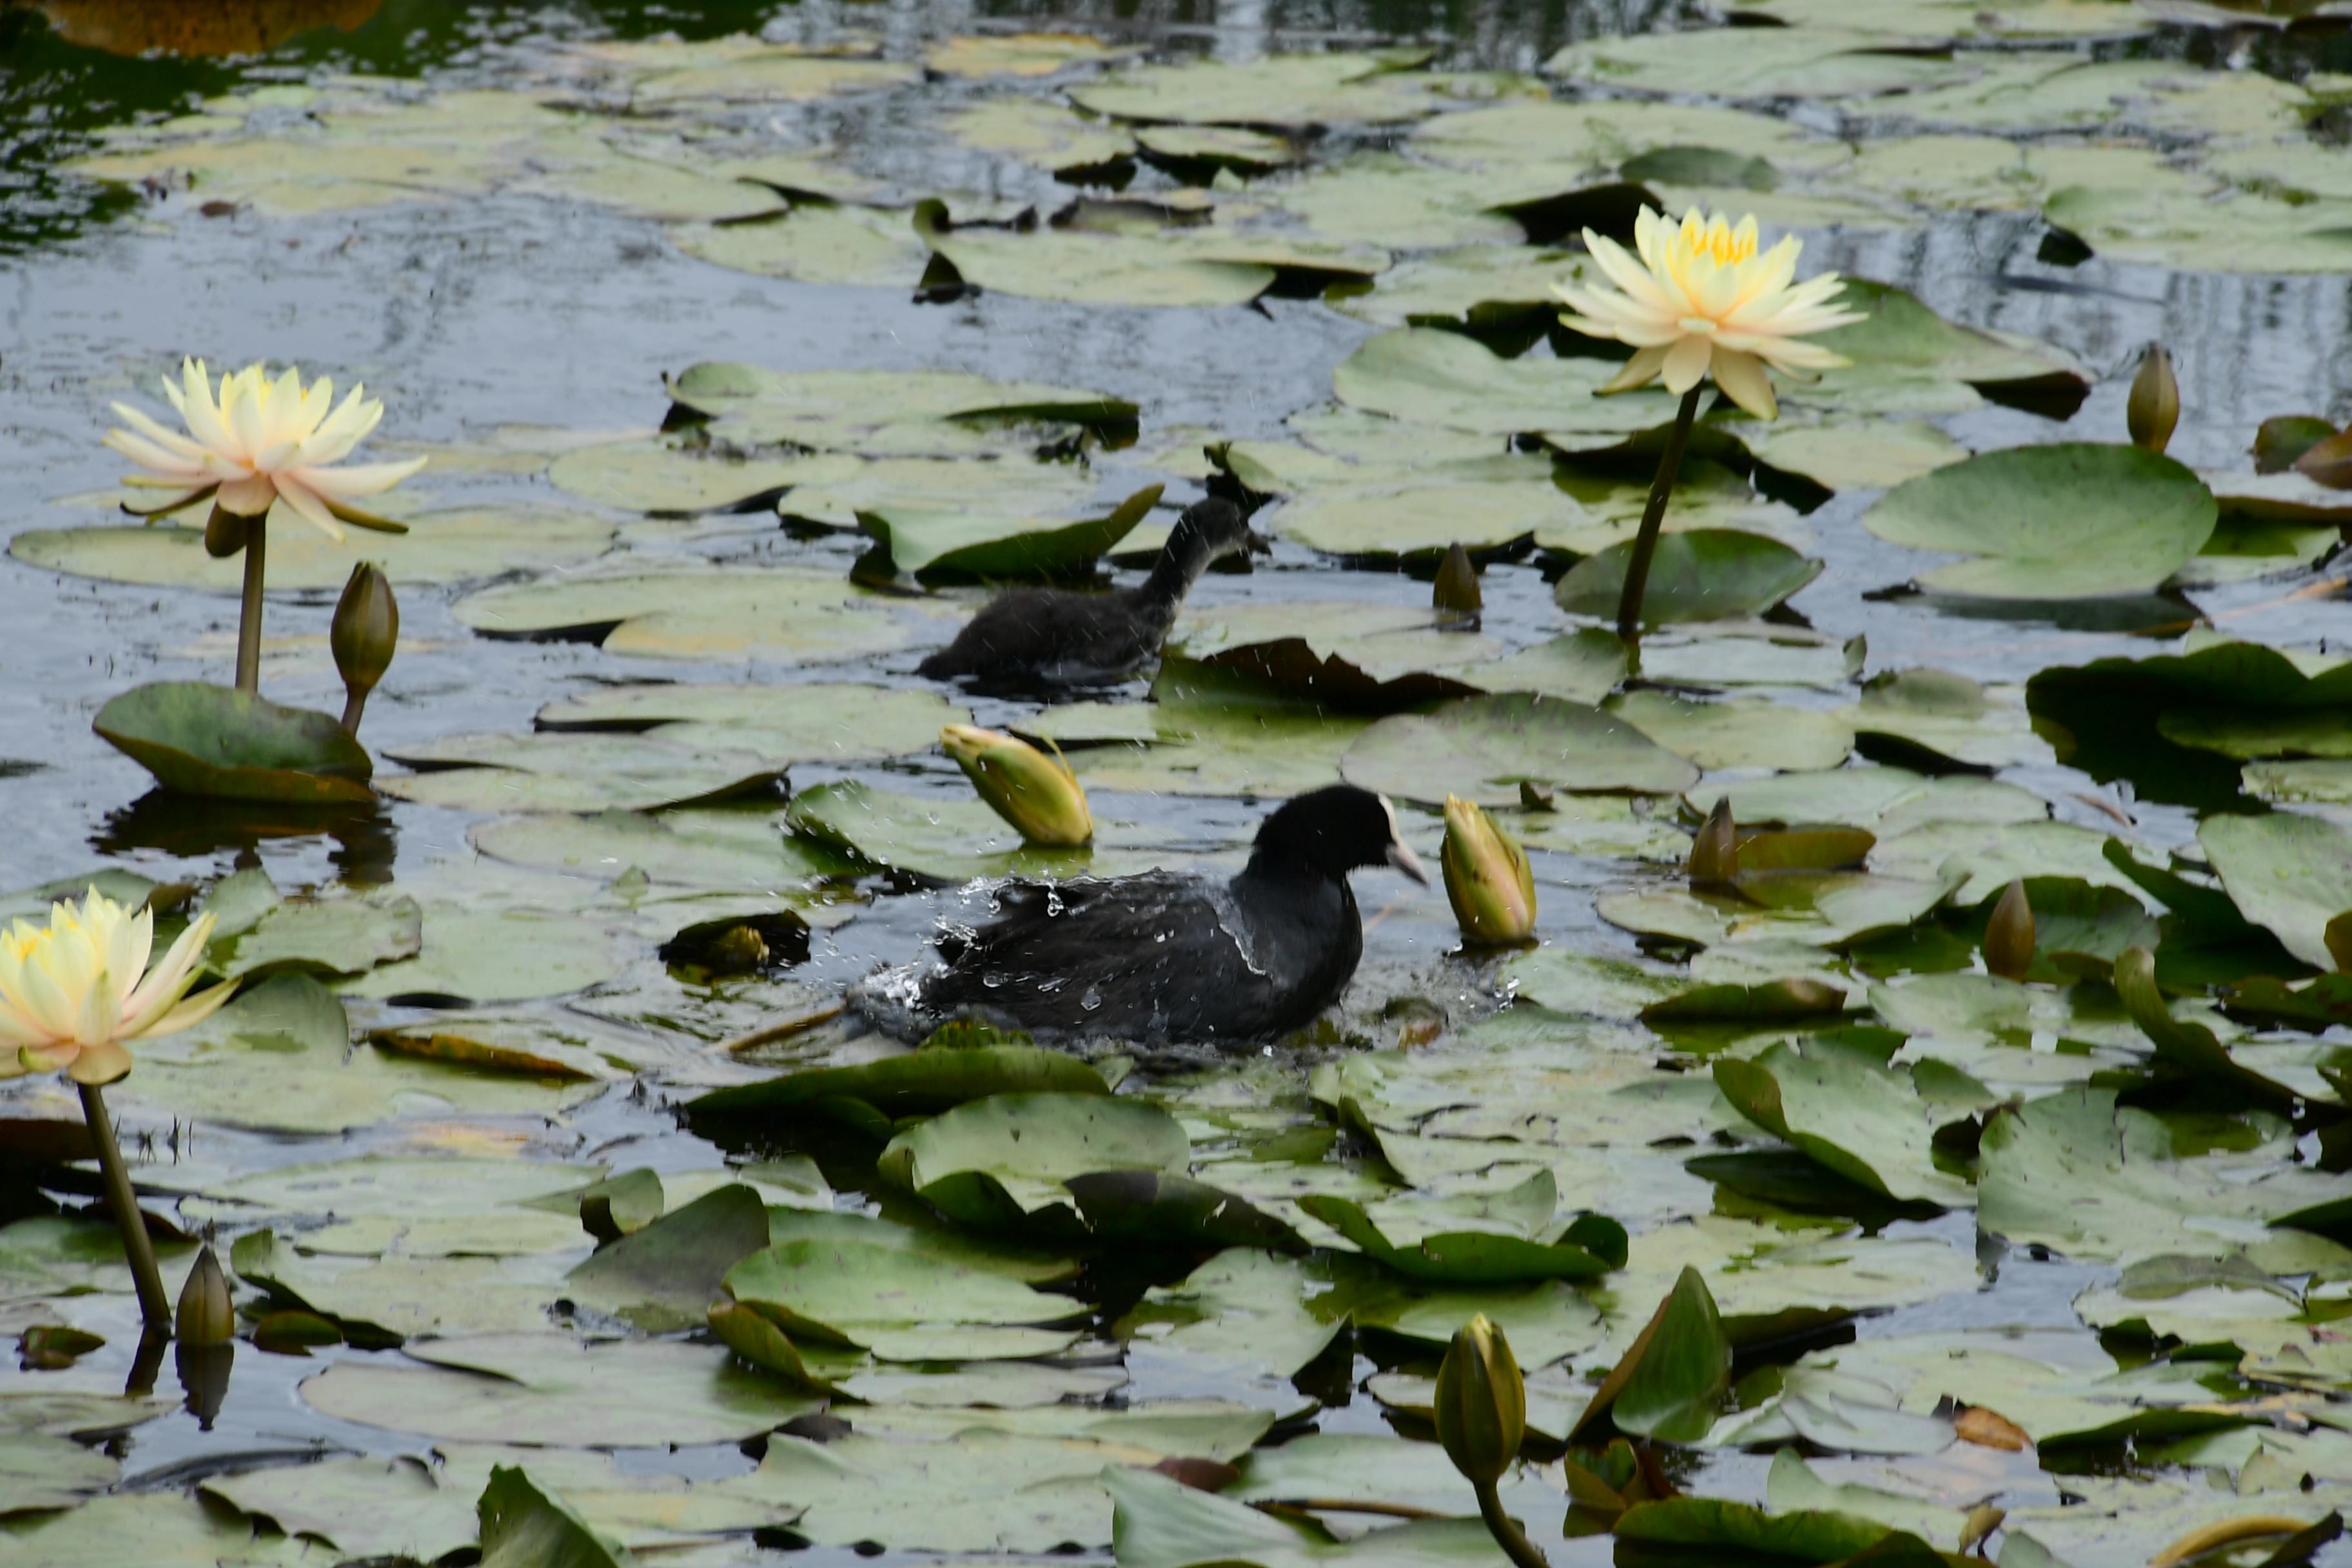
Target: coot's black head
<point x="1212" y="529"/>
<point x="1333" y="831"/>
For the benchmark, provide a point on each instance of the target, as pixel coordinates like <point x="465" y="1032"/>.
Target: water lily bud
<point x="1487" y="879"/>
<point x="366" y="630"/>
<point x="1482" y="1402"/>
<point x="1458" y="583"/>
<point x="2338" y="937"/>
<point x="1714" y="851"/>
<point x="206" y="1315"/>
<point x="1035" y="793"/>
<point x="226" y="534"/>
<point x="2154" y="406"/>
<point x="2009" y="934"/>
<point x="739" y="950"/>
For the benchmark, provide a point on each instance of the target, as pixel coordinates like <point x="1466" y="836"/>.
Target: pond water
<point x="513" y="309"/>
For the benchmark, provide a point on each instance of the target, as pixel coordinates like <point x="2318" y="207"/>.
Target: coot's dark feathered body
<point x="1164" y="957"/>
<point x="1033" y="639"/>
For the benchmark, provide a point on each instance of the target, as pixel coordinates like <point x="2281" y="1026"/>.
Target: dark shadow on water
<point x="192" y="827"/>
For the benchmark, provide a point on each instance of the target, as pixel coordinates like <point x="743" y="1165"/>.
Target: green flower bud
<point x="206" y="1316"/>
<point x="2339" y="938"/>
<point x="2154" y="406"/>
<point x="1035" y="793"/>
<point x="1458" y="583"/>
<point x="1482" y="1402"/>
<point x="226" y="534"/>
<point x="366" y="630"/>
<point x="1714" y="851"/>
<point x="1487" y="879"/>
<point x="2009" y="934"/>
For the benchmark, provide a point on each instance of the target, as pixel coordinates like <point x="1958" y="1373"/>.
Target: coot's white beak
<point x="1402" y="857"/>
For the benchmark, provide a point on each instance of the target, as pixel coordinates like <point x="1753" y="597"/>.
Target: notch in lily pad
<point x="1670" y="1383"/>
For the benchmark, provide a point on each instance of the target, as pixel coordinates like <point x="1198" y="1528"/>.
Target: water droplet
<point x="1091" y="1000"/>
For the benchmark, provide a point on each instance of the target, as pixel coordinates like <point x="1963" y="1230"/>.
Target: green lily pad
<point x="1934" y="718"/>
<point x="279" y="1059"/>
<point x="1739" y="732"/>
<point x="944" y="839"/>
<point x="813" y="243"/>
<point x="1042" y="132"/>
<point x="39" y="1473"/>
<point x="920" y="1083"/>
<point x="664" y="1275"/>
<point x="167" y="1529"/>
<point x="1426" y="376"/>
<point x="1888" y="800"/>
<point x="720" y="848"/>
<point x="1841" y="1413"/>
<point x="843" y="722"/>
<point x="951" y="544"/>
<point x="903" y="1305"/>
<point x="551" y="1389"/>
<point x="1706" y="574"/>
<point x="982" y="1491"/>
<point x="791" y="615"/>
<point x="1342" y="657"/>
<point x="890" y="413"/>
<point x="2287" y="872"/>
<point x="415" y="1206"/>
<point x="358" y="1505"/>
<point x="581" y="773"/>
<point x="2190" y="1050"/>
<point x="524" y="1527"/>
<point x="1130" y="1207"/>
<point x="1824" y="908"/>
<point x="680" y="475"/>
<point x="489" y="954"/>
<point x="2072" y="520"/>
<point x="1581" y="666"/>
<point x="1483" y="288"/>
<point x="379" y="1304"/>
<point x="216" y="741"/>
<point x="1006" y="487"/>
<point x="1670" y="1380"/>
<point x="999" y="1164"/>
<point x="2075" y="1173"/>
<point x="453" y="544"/>
<point x="1482" y="748"/>
<point x="1279" y="91"/>
<point x="1160" y="1523"/>
<point x="1199" y="152"/>
<point x="1588" y="1248"/>
<point x="1849" y="1112"/>
<point x="1792" y="62"/>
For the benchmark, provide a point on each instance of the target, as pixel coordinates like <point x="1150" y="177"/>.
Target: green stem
<point x="354" y="700"/>
<point x="248" y="623"/>
<point x="1654" y="517"/>
<point x="1505" y="1529"/>
<point x="154" y="1305"/>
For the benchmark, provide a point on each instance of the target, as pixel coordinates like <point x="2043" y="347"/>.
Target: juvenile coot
<point x="1164" y="957"/>
<point x="1035" y="637"/>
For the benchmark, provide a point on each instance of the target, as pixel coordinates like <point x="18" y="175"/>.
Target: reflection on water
<point x="196" y="27"/>
<point x="192" y="826"/>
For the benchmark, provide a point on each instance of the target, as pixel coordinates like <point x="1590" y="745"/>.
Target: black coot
<point x="1033" y="639"/>
<point x="1162" y="957"/>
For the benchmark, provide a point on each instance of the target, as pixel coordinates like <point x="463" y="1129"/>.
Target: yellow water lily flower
<point x="260" y="442"/>
<point x="73" y="991"/>
<point x="1702" y="299"/>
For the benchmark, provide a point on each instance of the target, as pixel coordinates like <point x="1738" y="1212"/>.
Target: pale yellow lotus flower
<point x="1703" y="300"/>
<point x="73" y="991"/>
<point x="261" y="442"/>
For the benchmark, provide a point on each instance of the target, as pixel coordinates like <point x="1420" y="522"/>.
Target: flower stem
<point x="353" y="701"/>
<point x="1506" y="1530"/>
<point x="248" y="622"/>
<point x="1654" y="517"/>
<point x="154" y="1305"/>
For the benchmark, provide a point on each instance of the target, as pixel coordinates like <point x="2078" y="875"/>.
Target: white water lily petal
<point x="1699" y="296"/>
<point x="307" y="503"/>
<point x="352" y="483"/>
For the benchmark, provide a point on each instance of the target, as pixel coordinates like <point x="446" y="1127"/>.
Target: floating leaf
<point x="1850" y="1112"/>
<point x="1000" y="1164"/>
<point x="1482" y="748"/>
<point x="951" y="544"/>
<point x="2066" y="520"/>
<point x="581" y="773"/>
<point x="214" y="741"/>
<point x="903" y="1305"/>
<point x="2288" y="872"/>
<point x="1705" y="574"/>
<point x="1342" y="657"/>
<point x="524" y="1527"/>
<point x="682" y="612"/>
<point x="897" y="413"/>
<point x="664" y="1275"/>
<point x="944" y="839"/>
<point x="1280" y="91"/>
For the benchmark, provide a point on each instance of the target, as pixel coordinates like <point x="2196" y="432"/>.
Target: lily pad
<point x="2075" y="1173"/>
<point x="682" y="474"/>
<point x="1739" y="732"/>
<point x="1483" y="748"/>
<point x="379" y="1304"/>
<point x="2072" y="520"/>
<point x="999" y="1164"/>
<point x="791" y="615"/>
<point x="1706" y="574"/>
<point x="1849" y="1112"/>
<point x="903" y="1305"/>
<point x="943" y="413"/>
<point x="1588" y="1248"/>
<point x="551" y="1389"/>
<point x="1042" y="132"/>
<point x="2286" y="871"/>
<point x="951" y="544"/>
<point x="944" y="839"/>
<point x="664" y="1275"/>
<point x="1279" y="91"/>
<point x="216" y="741"/>
<point x="853" y="246"/>
<point x="580" y="773"/>
<point x="718" y="848"/>
<point x="1935" y="720"/>
<point x="920" y="1083"/>
<point x="1423" y="375"/>
<point x="1792" y="62"/>
<point x="452" y="544"/>
<point x="1342" y="657"/>
<point x="842" y="722"/>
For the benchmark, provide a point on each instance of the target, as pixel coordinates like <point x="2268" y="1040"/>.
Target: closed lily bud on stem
<point x="1457" y="590"/>
<point x="1714" y="851"/>
<point x="2154" y="406"/>
<point x="226" y="534"/>
<point x="1487" y="879"/>
<point x="2338" y="937"/>
<point x="1482" y="1402"/>
<point x="2009" y="934"/>
<point x="366" y="632"/>
<point x="206" y="1315"/>
<point x="1035" y="793"/>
